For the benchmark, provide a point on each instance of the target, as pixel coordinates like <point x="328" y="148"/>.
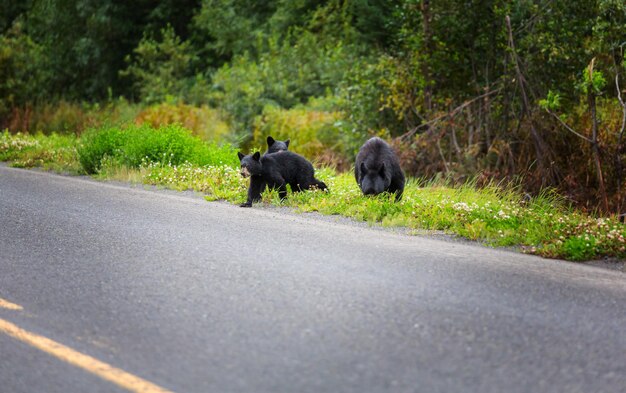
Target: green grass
<point x="134" y="146"/>
<point x="495" y="215"/>
<point x="53" y="152"/>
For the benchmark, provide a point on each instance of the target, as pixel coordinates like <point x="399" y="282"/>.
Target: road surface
<point x="104" y="288"/>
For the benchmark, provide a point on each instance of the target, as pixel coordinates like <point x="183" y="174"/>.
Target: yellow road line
<point x="9" y="305"/>
<point x="94" y="366"/>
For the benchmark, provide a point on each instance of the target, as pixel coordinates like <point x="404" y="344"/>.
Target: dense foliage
<point x="476" y="89"/>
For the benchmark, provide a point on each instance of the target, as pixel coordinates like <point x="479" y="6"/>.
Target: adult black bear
<point x="377" y="169"/>
<point x="274" y="146"/>
<point x="276" y="171"/>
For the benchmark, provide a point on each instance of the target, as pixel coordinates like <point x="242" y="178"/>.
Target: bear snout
<point x="369" y="190"/>
<point x="244" y="172"/>
<point x="371" y="185"/>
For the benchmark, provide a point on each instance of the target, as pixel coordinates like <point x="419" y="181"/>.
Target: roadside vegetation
<point x="499" y="215"/>
<point x="530" y="92"/>
<point x="508" y="116"/>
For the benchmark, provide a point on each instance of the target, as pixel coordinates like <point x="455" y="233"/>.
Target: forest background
<point x="530" y="92"/>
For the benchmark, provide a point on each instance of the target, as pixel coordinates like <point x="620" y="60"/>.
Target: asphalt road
<point x="193" y="296"/>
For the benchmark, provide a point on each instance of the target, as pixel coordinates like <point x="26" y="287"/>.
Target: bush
<point x="205" y="122"/>
<point x="136" y="145"/>
<point x="238" y="89"/>
<point x="289" y="73"/>
<point x="314" y="134"/>
<point x="96" y="144"/>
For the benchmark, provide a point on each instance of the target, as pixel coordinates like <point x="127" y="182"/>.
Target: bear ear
<point x="270" y="141"/>
<point x="240" y="155"/>
<point x="256" y="156"/>
<point x="287" y="142"/>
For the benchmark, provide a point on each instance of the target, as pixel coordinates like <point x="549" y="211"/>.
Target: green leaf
<point x="552" y="102"/>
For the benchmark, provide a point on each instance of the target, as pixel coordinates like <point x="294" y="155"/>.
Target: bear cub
<point x="274" y="146"/>
<point x="276" y="171"/>
<point x="377" y="169"/>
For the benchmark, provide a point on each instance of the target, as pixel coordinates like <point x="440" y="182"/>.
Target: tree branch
<point x="570" y="129"/>
<point x="450" y="114"/>
<point x="621" y="102"/>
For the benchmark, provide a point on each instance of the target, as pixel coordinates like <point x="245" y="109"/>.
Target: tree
<point x="159" y="68"/>
<point x="22" y="70"/>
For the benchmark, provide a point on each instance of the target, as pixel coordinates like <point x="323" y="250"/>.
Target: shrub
<point x="289" y="73"/>
<point x="96" y="144"/>
<point x="205" y="122"/>
<point x="238" y="89"/>
<point x="139" y="144"/>
<point x="314" y="134"/>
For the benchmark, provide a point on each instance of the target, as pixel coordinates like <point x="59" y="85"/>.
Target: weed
<point x="54" y="152"/>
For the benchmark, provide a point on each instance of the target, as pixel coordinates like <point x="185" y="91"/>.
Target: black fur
<point x="276" y="171"/>
<point x="377" y="169"/>
<point x="274" y="146"/>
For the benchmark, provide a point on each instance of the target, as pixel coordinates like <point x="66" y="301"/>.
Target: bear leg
<point x="257" y="186"/>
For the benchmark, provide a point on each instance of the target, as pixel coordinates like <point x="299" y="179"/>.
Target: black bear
<point x="276" y="171"/>
<point x="377" y="169"/>
<point x="274" y="146"/>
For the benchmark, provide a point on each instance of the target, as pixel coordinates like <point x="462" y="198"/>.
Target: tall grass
<point x="135" y="145"/>
<point x="69" y="117"/>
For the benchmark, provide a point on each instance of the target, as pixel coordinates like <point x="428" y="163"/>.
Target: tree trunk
<point x="427" y="55"/>
<point x="539" y="143"/>
<point x="595" y="147"/>
<point x="618" y="149"/>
